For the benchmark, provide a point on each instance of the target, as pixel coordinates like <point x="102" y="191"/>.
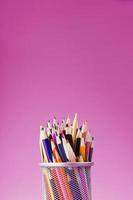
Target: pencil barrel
<point x="66" y="182"/>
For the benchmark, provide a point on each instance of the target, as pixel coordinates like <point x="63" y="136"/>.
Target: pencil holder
<point x="66" y="181"/>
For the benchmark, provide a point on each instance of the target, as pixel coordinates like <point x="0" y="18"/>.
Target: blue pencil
<point x="61" y="150"/>
<point x="46" y="145"/>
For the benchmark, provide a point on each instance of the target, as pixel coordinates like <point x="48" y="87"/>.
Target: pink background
<point x="58" y="58"/>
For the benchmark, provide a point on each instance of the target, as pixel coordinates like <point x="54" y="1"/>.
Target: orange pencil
<point x="82" y="148"/>
<point x="55" y="152"/>
<point x="74" y="127"/>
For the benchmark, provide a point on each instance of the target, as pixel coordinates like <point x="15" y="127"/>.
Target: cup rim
<point x="67" y="164"/>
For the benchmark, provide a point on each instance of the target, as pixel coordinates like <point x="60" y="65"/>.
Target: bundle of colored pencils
<point x="66" y="142"/>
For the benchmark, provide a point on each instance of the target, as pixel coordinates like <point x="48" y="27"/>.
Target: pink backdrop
<point x="58" y="58"/>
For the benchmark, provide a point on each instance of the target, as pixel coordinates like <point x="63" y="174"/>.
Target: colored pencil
<point x="74" y="127"/>
<point x="68" y="135"/>
<point x="88" y="141"/>
<point x="91" y="150"/>
<point x="77" y="143"/>
<point x="82" y="148"/>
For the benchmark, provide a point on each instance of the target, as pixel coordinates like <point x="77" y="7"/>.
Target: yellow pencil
<point x="42" y="150"/>
<point x="46" y="172"/>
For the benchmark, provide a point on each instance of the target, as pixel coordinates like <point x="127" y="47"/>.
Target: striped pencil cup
<point x="66" y="181"/>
